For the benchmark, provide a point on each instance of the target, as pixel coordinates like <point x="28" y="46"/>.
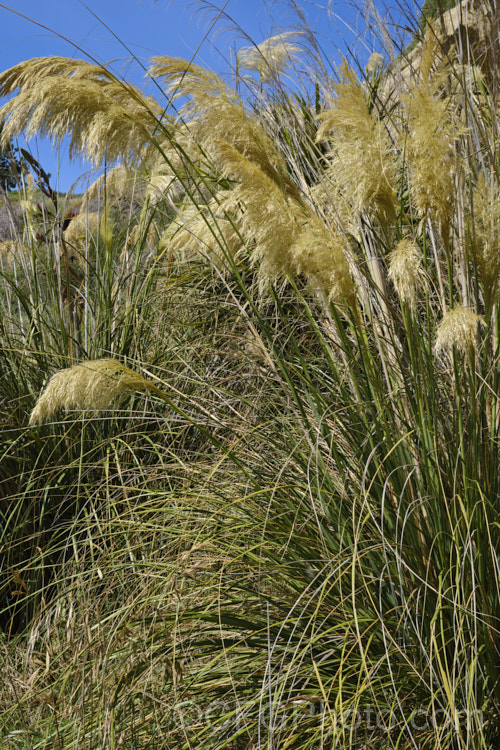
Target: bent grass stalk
<point x="317" y="524"/>
<point x="92" y="385"/>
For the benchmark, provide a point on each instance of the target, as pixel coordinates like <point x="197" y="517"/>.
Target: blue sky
<point x="143" y="28"/>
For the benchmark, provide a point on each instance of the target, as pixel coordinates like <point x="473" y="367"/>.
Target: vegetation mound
<point x="256" y="504"/>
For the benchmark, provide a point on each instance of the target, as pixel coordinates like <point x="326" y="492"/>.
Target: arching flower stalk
<point x="361" y="163"/>
<point x="430" y="141"/>
<point x="94" y="385"/>
<point x="104" y="116"/>
<point x="284" y="235"/>
<point x="405" y="272"/>
<point x="271" y="57"/>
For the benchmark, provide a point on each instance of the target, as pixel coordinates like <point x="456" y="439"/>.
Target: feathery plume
<point x="284" y="235"/>
<point x="29" y="72"/>
<point x="206" y="229"/>
<point x="115" y="183"/>
<point x="102" y="115"/>
<point x="161" y="182"/>
<point x="214" y="112"/>
<point x="319" y="253"/>
<point x="430" y="142"/>
<point x="270" y="57"/>
<point x="85" y="233"/>
<point x="83" y="228"/>
<point x="270" y="221"/>
<point x="484" y="238"/>
<point x="361" y="159"/>
<point x="95" y="385"/>
<point x="458" y="329"/>
<point x="405" y="272"/>
<point x="374" y="64"/>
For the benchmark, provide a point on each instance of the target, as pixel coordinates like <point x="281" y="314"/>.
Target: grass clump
<point x="297" y="546"/>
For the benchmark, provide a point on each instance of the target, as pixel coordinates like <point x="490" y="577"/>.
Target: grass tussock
<point x="285" y="531"/>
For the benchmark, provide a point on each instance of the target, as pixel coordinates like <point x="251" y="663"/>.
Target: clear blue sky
<point x="147" y="28"/>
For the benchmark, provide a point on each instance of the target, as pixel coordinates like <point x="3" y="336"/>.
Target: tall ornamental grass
<point x="287" y="536"/>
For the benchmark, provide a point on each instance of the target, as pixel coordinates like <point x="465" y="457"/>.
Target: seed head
<point x="271" y="56"/>
<point x="484" y="238"/>
<point x="95" y="385"/>
<point x="430" y="141"/>
<point x="361" y="161"/>
<point x="406" y="273"/>
<point x="458" y="329"/>
<point x="375" y="62"/>
<point x="57" y="96"/>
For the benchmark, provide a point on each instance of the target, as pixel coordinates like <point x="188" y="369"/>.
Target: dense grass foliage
<point x="249" y="486"/>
